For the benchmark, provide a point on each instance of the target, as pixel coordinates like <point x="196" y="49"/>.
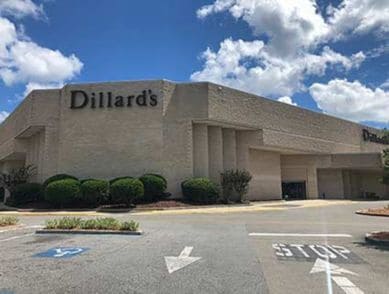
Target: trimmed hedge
<point x="26" y="193"/>
<point x="200" y="190"/>
<point x="119" y="178"/>
<point x="63" y="193"/>
<point x="94" y="191"/>
<point x="154" y="187"/>
<point x="57" y="178"/>
<point x="126" y="190"/>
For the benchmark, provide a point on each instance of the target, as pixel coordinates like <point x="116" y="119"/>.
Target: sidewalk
<point x="219" y="208"/>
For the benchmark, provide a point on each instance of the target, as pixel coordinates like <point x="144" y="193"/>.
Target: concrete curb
<point x="89" y="232"/>
<point x="370" y="239"/>
<point x="364" y="212"/>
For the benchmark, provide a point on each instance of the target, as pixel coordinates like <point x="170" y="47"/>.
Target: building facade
<point x="181" y="130"/>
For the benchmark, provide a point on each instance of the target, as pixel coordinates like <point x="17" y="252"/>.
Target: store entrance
<point x="293" y="190"/>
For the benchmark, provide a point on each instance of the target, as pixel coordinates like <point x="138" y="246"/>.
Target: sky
<point x="328" y="56"/>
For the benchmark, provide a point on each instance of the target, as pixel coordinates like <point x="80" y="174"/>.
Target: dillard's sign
<point x="80" y="99"/>
<point x="367" y="136"/>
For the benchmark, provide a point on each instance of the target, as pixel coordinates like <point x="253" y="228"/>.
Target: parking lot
<point x="288" y="250"/>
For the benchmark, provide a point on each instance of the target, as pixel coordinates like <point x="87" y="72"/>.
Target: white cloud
<point x="291" y="25"/>
<point x="3" y="115"/>
<point x="385" y="85"/>
<point x="249" y="66"/>
<point x="29" y="62"/>
<point x="298" y="24"/>
<point x="20" y="8"/>
<point x="39" y="86"/>
<point x="287" y="100"/>
<point x="359" y="17"/>
<point x="352" y="100"/>
<point x="24" y="61"/>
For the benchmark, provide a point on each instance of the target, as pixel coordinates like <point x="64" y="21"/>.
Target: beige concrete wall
<point x="330" y="183"/>
<point x="200" y="150"/>
<point x="302" y="168"/>
<point x="287" y="126"/>
<point x="215" y="149"/>
<point x="265" y="168"/>
<point x="110" y="142"/>
<point x="229" y="149"/>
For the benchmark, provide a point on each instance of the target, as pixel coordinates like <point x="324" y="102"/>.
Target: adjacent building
<point x="181" y="130"/>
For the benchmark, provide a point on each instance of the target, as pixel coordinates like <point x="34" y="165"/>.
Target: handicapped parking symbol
<point x="62" y="252"/>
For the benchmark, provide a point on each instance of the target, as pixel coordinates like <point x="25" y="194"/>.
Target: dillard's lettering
<point x="367" y="136"/>
<point x="81" y="99"/>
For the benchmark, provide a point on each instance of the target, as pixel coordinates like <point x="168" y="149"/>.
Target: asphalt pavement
<point x="289" y="250"/>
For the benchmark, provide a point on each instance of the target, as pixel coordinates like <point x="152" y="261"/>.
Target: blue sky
<point x="328" y="56"/>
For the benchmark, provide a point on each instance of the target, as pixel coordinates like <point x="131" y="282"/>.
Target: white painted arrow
<point x="174" y="263"/>
<point x="345" y="284"/>
<point x="324" y="266"/>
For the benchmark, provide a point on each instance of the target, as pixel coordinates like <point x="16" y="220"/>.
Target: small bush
<point x="154" y="187"/>
<point x="105" y="223"/>
<point x="235" y="184"/>
<point x="119" y="178"/>
<point x="200" y="190"/>
<point x="129" y="226"/>
<point x="63" y="193"/>
<point x="26" y="193"/>
<point x="158" y="176"/>
<point x="8" y="221"/>
<point x="57" y="178"/>
<point x="126" y="190"/>
<point x="65" y="223"/>
<point x="94" y="192"/>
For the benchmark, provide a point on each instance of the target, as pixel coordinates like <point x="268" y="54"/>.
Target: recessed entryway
<point x="294" y="190"/>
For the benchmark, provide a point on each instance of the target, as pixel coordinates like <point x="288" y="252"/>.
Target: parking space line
<point x="21" y="228"/>
<point x="16" y="237"/>
<point x="299" y="235"/>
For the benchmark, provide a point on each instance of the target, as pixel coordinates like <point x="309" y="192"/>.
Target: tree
<point x="15" y="177"/>
<point x="385" y="177"/>
<point x="235" y="182"/>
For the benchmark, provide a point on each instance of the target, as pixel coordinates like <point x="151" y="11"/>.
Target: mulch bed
<point x="164" y="204"/>
<point x="380" y="235"/>
<point x="374" y="211"/>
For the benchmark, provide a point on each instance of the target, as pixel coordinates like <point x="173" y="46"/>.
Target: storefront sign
<point x="80" y="99"/>
<point x="367" y="136"/>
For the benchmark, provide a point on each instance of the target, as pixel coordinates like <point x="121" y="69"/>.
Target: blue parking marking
<point x="62" y="252"/>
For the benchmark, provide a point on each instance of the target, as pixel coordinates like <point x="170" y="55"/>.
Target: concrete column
<point x="200" y="150"/>
<point x="312" y="186"/>
<point x="242" y="150"/>
<point x="346" y="184"/>
<point x="229" y="149"/>
<point x="215" y="153"/>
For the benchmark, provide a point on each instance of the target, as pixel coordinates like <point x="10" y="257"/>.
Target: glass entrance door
<point x="293" y="190"/>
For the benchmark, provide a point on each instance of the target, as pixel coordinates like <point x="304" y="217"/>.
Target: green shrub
<point x="235" y="184"/>
<point x="158" y="176"/>
<point x="126" y="190"/>
<point x="104" y="223"/>
<point x="57" y="178"/>
<point x="154" y="187"/>
<point x="63" y="193"/>
<point x="8" y="221"/>
<point x="94" y="191"/>
<point x="26" y="193"/>
<point x="65" y="223"/>
<point x="129" y="226"/>
<point x="119" y="178"/>
<point x="200" y="190"/>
